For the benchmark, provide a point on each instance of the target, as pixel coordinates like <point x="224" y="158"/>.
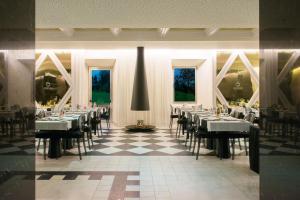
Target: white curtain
<point x="159" y="79"/>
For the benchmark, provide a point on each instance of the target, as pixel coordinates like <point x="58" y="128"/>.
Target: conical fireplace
<point x="140" y="100"/>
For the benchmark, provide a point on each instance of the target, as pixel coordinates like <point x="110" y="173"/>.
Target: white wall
<point x="159" y="77"/>
<point x="20" y="78"/>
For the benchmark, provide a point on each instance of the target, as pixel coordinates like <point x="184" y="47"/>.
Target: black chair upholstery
<point x="106" y="116"/>
<point x="190" y="128"/>
<point x="43" y="135"/>
<point x="78" y="135"/>
<point x="181" y="123"/>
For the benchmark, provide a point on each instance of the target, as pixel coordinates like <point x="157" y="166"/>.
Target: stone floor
<point x="144" y="175"/>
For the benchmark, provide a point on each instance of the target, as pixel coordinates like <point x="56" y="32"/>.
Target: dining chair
<point x="106" y="115"/>
<point x="96" y="122"/>
<point x="196" y="124"/>
<point x="181" y="123"/>
<point x="86" y="128"/>
<point x="42" y="135"/>
<point x="78" y="135"/>
<point x="173" y="116"/>
<point x="200" y="134"/>
<point x="190" y="128"/>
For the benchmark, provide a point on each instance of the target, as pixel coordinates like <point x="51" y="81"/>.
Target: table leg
<point x="54" y="148"/>
<point x="223" y="149"/>
<point x="210" y="143"/>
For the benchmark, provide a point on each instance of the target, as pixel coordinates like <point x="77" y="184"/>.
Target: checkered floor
<point x="162" y="142"/>
<point x="276" y="145"/>
<point x="17" y="145"/>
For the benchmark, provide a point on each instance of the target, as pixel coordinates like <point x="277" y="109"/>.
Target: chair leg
<point x="97" y="130"/>
<point x="100" y="123"/>
<point x="38" y="146"/>
<point x="191" y="140"/>
<point x="194" y="147"/>
<point x="233" y="149"/>
<point x="84" y="147"/>
<point x="78" y="145"/>
<point x="246" y="148"/>
<point x="91" y="138"/>
<point x="198" y="149"/>
<point x="239" y="140"/>
<point x="187" y="136"/>
<point x="171" y="123"/>
<point x="88" y="139"/>
<point x="178" y="130"/>
<point x="44" y="143"/>
<point x="64" y="145"/>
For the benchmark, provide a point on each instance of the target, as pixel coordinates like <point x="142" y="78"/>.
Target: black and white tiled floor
<point x="162" y="142"/>
<point x="144" y="166"/>
<point x="18" y="145"/>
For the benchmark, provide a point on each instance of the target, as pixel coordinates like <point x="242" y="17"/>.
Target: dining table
<point x="224" y="126"/>
<point x="216" y="123"/>
<point x="220" y="123"/>
<point x="55" y="126"/>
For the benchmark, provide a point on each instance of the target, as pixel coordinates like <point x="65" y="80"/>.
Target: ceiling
<point x="147" y="13"/>
<point x="98" y="23"/>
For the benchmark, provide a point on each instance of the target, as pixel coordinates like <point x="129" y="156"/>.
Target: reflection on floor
<point x="278" y="145"/>
<point x="18" y="145"/>
<point x="137" y="166"/>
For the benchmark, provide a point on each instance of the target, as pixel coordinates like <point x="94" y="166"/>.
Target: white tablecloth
<point x="53" y="125"/>
<point x="225" y="126"/>
<point x="56" y="123"/>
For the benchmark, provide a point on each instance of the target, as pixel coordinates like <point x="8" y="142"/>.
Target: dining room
<point x="146" y="100"/>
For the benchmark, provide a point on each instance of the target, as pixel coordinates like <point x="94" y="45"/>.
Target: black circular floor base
<point x="135" y="128"/>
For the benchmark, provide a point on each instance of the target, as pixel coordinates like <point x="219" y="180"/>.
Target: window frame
<point x="173" y="84"/>
<point x="91" y="69"/>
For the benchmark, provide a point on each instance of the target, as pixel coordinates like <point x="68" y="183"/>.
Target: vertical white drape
<point x="158" y="64"/>
<point x="80" y="79"/>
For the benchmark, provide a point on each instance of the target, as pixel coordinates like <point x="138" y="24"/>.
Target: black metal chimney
<point x="140" y="100"/>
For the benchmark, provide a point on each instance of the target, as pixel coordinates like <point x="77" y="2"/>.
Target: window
<point x="101" y="86"/>
<point x="184" y="84"/>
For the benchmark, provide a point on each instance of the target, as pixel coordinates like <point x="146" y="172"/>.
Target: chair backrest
<point x="250" y="117"/>
<point x="197" y="122"/>
<point x="89" y="118"/>
<point x="247" y="110"/>
<point x="236" y="114"/>
<point x="97" y="114"/>
<point x="81" y="122"/>
<point x="189" y="119"/>
<point x="172" y="111"/>
<point x="232" y="113"/>
<point x="179" y="112"/>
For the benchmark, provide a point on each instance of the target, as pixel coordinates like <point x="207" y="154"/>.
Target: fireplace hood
<point x="140" y="100"/>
